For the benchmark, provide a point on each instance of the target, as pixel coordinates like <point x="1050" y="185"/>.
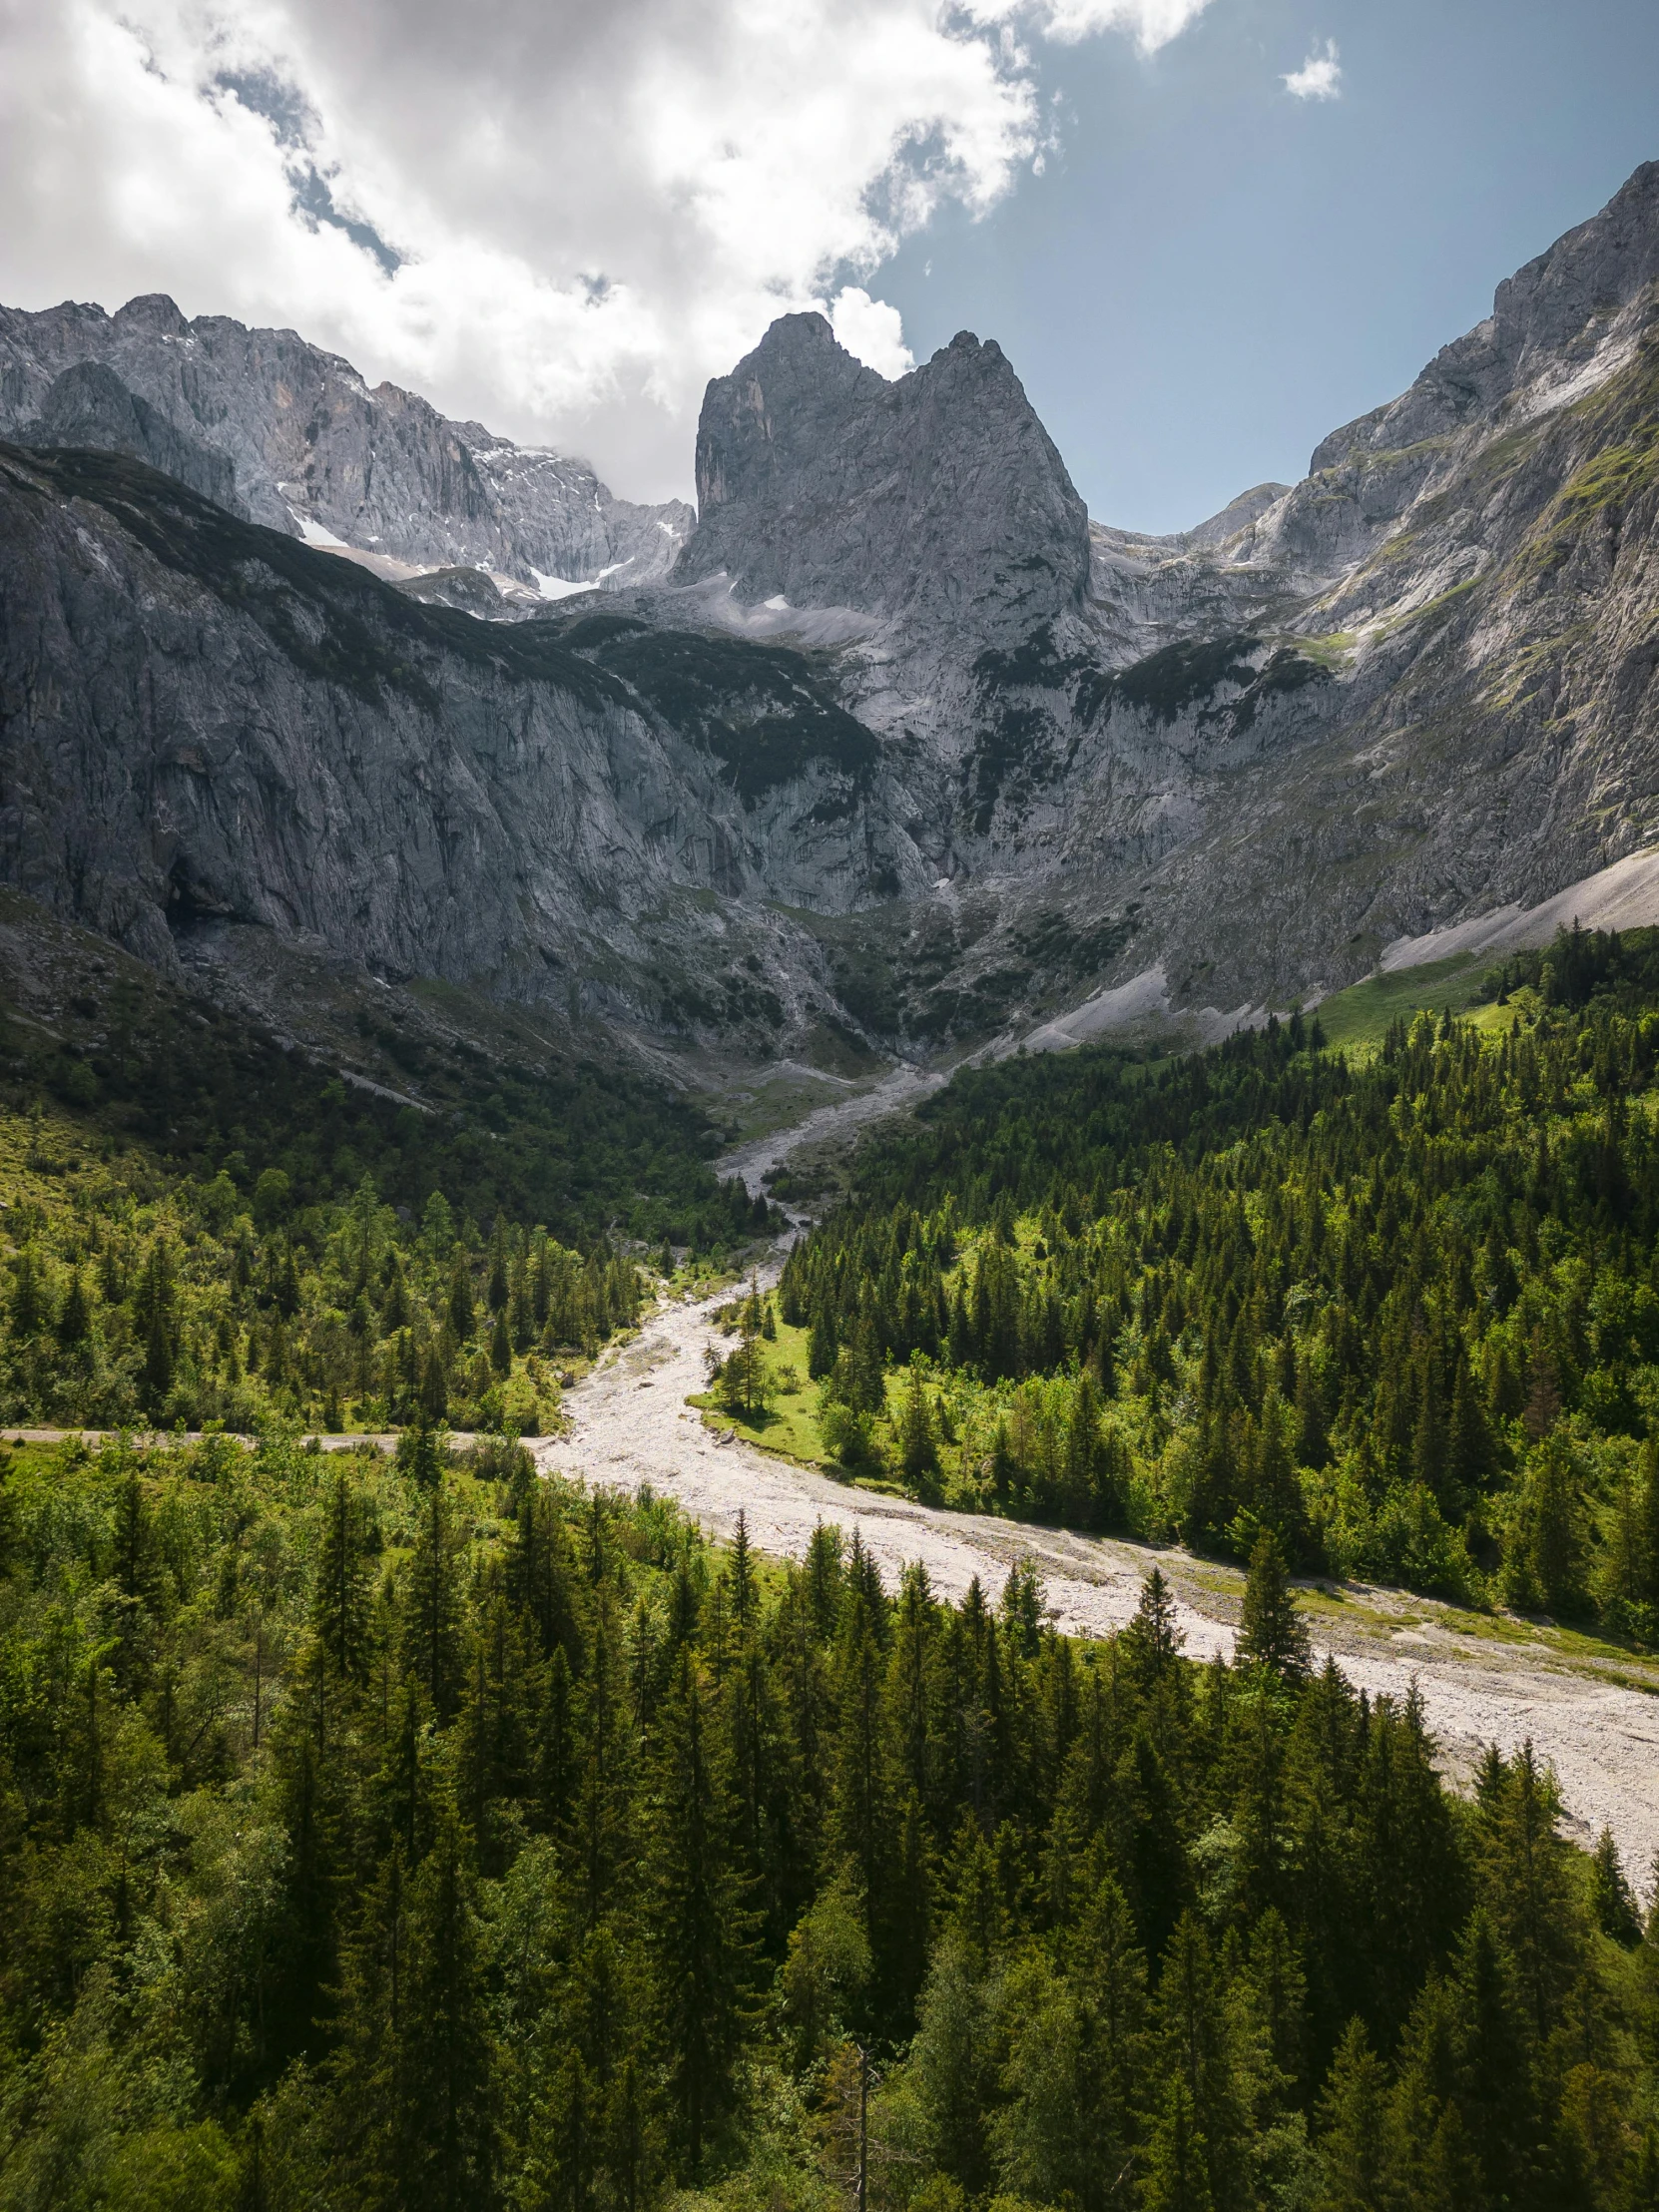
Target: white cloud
<point x="585" y="210"/>
<point x="872" y="330"/>
<point x="1319" y="77"/>
<point x="1150" y="23"/>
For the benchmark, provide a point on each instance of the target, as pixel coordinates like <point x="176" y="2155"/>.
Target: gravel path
<point x="630" y="1425"/>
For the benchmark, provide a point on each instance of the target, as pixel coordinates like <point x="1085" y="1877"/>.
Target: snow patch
<point x="314" y="534"/>
<point x="558" y="587"/>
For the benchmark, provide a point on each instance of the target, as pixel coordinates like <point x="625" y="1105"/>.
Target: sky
<point x="1205" y="232"/>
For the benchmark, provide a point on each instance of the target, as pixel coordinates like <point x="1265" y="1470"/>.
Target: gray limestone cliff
<point x="207" y="724"/>
<point x="88" y="407"/>
<point x="315" y="451"/>
<point x="937" y="499"/>
<point x="902" y="742"/>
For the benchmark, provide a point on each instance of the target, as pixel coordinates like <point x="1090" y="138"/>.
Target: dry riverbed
<point x="1592" y="1711"/>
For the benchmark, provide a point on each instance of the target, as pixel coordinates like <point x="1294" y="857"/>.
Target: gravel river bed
<point x="1595" y="1719"/>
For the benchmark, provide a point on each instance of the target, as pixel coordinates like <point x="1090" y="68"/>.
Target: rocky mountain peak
<point x="1560" y="322"/>
<point x="291" y="435"/>
<point x="89" y="408"/>
<point x="938" y="497"/>
<point x="153" y="312"/>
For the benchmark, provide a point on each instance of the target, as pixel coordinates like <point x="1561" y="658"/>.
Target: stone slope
<point x="315" y="452"/>
<point x="204" y="722"/>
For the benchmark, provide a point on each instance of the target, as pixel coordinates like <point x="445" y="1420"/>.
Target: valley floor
<point x="1590" y="1709"/>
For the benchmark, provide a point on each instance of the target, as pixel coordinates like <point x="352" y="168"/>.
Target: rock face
<point x="314" y="453"/>
<point x="89" y="408"/>
<point x="939" y="500"/>
<point x="206" y="723"/>
<point x="904" y="743"/>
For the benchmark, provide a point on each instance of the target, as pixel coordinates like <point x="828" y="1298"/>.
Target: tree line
<point x="1402" y="1310"/>
<point x="189" y="1304"/>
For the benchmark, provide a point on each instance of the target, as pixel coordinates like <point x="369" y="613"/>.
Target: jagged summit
<point x="1561" y="322"/>
<point x="938" y="497"/>
<point x="292" y="435"/>
<point x="987" y="757"/>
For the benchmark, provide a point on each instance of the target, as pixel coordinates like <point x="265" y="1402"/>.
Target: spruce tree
<point x="429" y="1641"/>
<point x="1271" y="1631"/>
<point x="339" y="1587"/>
<point x="1355" y="2163"/>
<point x="1152" y="1641"/>
<point x="700" y="1924"/>
<point x="1178" y="2159"/>
<point x="1612" y="1902"/>
<point x="919" y="1451"/>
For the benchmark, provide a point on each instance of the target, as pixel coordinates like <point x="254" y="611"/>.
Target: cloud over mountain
<point x="545" y="214"/>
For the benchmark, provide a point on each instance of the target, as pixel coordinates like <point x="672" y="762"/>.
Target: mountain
<point x="318" y="454"/>
<point x="207" y="730"/>
<point x="900" y="749"/>
<point x="939" y="500"/>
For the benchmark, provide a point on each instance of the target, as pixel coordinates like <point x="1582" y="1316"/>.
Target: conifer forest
<point x="401" y="1826"/>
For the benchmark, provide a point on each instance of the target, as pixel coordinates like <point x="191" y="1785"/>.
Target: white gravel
<point x="630" y="1425"/>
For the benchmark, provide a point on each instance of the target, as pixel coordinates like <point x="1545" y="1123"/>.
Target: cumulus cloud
<point x="1150" y="23"/>
<point x="1319" y="77"/>
<point x="557" y="218"/>
<point x="872" y="330"/>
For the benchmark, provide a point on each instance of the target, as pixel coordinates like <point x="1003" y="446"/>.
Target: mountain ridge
<point x="318" y="455"/>
<point x="945" y="754"/>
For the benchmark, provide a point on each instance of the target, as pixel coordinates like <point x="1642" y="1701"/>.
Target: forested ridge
<point x="1401" y="1310"/>
<point x="254" y="1242"/>
<point x="436" y="1835"/>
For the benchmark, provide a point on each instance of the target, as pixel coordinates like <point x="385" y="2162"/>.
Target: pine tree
<point x="955" y="2063"/>
<point x="429" y="1641"/>
<point x="1469" y="1440"/>
<point x="1501" y="2122"/>
<point x="75" y="1314"/>
<point x="499" y="1288"/>
<point x="1178" y="2159"/>
<point x="603" y="1838"/>
<point x="1195" y="2048"/>
<point x="919" y="1451"/>
<point x="415" y="2066"/>
<point x="496" y="1730"/>
<point x="1313" y="1447"/>
<point x="1528" y="1891"/>
<point x="1152" y="1641"/>
<point x="1612" y="1902"/>
<point x="1355" y="2164"/>
<point x="29" y="1307"/>
<point x="460" y="1307"/>
<point x="1270" y="1632"/>
<point x="339" y="1587"/>
<point x="700" y="1928"/>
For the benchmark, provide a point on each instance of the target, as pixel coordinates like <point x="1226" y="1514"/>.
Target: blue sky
<point x="1210" y="274"/>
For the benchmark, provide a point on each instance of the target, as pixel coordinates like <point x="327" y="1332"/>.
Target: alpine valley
<point x="1113" y="1670"/>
